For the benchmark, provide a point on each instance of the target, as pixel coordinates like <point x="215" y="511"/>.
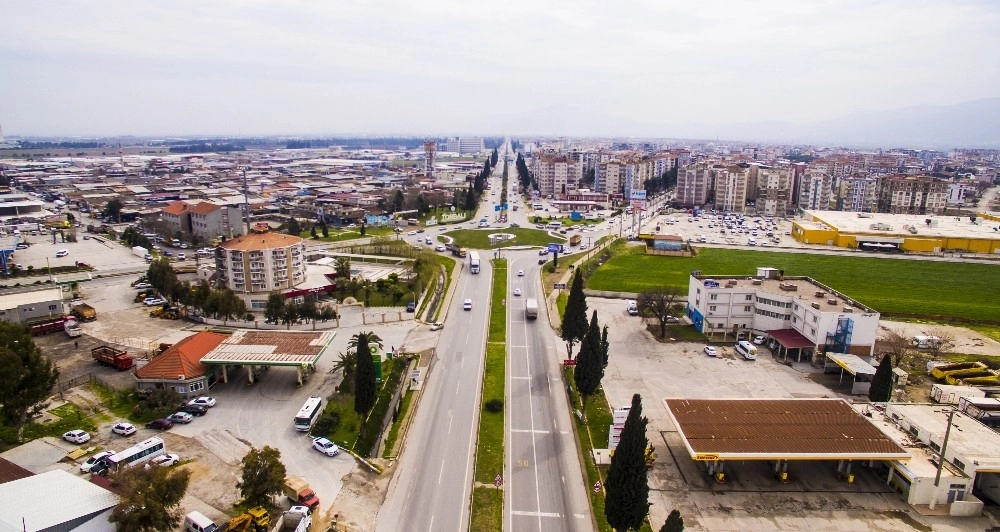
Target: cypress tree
<point x="674" y="523"/>
<point x="574" y="325"/>
<point x="605" y="346"/>
<point x="589" y="371"/>
<point x="364" y="379"/>
<point x="627" y="501"/>
<point x="881" y="388"/>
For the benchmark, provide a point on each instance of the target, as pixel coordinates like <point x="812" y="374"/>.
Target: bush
<point x="157" y="404"/>
<point x="326" y="424"/>
<point x="494" y="405"/>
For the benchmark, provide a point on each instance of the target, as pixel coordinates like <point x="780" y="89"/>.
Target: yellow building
<point x="899" y="232"/>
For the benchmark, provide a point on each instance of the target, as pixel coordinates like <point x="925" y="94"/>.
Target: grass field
<point x="480" y="238"/>
<point x="946" y="291"/>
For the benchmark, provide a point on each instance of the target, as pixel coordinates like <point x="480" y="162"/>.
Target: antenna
<point x="246" y="194"/>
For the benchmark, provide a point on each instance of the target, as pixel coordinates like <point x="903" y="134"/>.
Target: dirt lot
<point x="966" y="341"/>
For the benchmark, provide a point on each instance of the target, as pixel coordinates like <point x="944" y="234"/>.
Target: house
<point x="179" y="368"/>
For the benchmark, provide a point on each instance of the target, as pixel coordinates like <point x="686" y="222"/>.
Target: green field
<point x="947" y="291"/>
<point x="480" y="238"/>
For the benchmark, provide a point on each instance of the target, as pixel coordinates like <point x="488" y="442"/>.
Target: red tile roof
<point x="261" y="241"/>
<point x="182" y="358"/>
<point x="204" y="207"/>
<point x="768" y="429"/>
<point x="9" y="471"/>
<point x="176" y="208"/>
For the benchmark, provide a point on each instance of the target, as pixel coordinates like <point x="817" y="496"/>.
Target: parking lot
<point x="751" y="499"/>
<point x="94" y="250"/>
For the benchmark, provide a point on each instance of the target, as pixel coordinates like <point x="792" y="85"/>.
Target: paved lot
<point x="96" y="251"/>
<point x="751" y="499"/>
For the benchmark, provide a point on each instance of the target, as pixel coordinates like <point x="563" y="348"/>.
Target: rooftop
<point x="767" y="429"/>
<point x="12" y="301"/>
<point x="804" y="289"/>
<point x="273" y="348"/>
<point x="968" y="437"/>
<point x="182" y="358"/>
<point x="895" y="225"/>
<point x="260" y="241"/>
<point x="67" y="498"/>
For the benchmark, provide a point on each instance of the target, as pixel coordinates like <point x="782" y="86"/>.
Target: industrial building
<point x="898" y="232"/>
<point x="20" y="307"/>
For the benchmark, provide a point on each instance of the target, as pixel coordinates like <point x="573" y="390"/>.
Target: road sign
<point x="597" y="486"/>
<point x="498" y="480"/>
<point x="496" y="208"/>
<point x="559" y="286"/>
<point x="503" y="206"/>
<point x="555" y="248"/>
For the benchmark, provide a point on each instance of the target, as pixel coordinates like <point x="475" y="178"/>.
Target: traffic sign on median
<point x="498" y="481"/>
<point x="597" y="486"/>
<point x="559" y="286"/>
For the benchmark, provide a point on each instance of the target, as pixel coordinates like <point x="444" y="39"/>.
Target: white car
<point x="168" y="459"/>
<point x="123" y="429"/>
<point x="437" y="326"/>
<point x="77" y="436"/>
<point x="181" y="256"/>
<point x="758" y="340"/>
<point x="520" y="273"/>
<point x="440" y="247"/>
<point x="153" y="301"/>
<point x="710" y="351"/>
<point x="467" y="305"/>
<point x="583" y="247"/>
<point x="411" y="233"/>
<point x="92" y="461"/>
<point x="62" y="253"/>
<point x="326" y="446"/>
<point x="180" y="417"/>
<point x="142" y="286"/>
<point x="517" y="291"/>
<point x="206" y="401"/>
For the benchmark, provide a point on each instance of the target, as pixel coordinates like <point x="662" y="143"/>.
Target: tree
<point x="422" y="205"/>
<point x="347" y="363"/>
<point x="945" y="341"/>
<point x="275" y="307"/>
<point x="674" y="522"/>
<point x="627" y="500"/>
<point x="574" y="325"/>
<point x="113" y="209"/>
<point x="308" y="310"/>
<point x="470" y="199"/>
<point x="881" y="388"/>
<point x="589" y="370"/>
<point x="897" y="345"/>
<point x="397" y="200"/>
<point x="263" y="476"/>
<point x="293" y="226"/>
<point x="150" y="498"/>
<point x="342" y="265"/>
<point x="658" y="303"/>
<point x="364" y="380"/>
<point x="605" y="346"/>
<point x="27" y="377"/>
<point x="290" y="314"/>
<point x="494" y="157"/>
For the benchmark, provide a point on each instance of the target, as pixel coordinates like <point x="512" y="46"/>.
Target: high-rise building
<point x="693" y="183"/>
<point x="556" y="174"/>
<point x="731" y="184"/>
<point x="858" y="194"/>
<point x="906" y="194"/>
<point x="774" y="187"/>
<point x="463" y="145"/>
<point x="608" y="177"/>
<point x="815" y="191"/>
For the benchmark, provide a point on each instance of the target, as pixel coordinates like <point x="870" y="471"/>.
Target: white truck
<point x="139" y="251"/>
<point x="531" y="309"/>
<point x="297" y="519"/>
<point x="72" y="327"/>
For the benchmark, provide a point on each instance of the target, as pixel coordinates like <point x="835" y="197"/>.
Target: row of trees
<point x="524" y="177"/>
<point x="221" y="304"/>
<point x="286" y="311"/>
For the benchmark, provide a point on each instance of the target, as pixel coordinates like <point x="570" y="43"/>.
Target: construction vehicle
<point x="298" y="491"/>
<point x="941" y="372"/>
<point x="166" y="313"/>
<point x="110" y="356"/>
<point x="650" y="457"/>
<point x="456" y="250"/>
<point x="143" y="294"/>
<point x="256" y="519"/>
<point x="84" y="312"/>
<point x="46" y="324"/>
<point x="575" y="240"/>
<point x="296" y="519"/>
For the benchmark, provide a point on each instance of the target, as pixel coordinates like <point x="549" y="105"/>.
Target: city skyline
<point x="230" y="68"/>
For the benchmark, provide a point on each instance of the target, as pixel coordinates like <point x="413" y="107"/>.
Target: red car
<point x="160" y="424"/>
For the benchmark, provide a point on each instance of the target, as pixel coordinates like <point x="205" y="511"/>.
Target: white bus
<point x="141" y="452"/>
<point x="747" y="350"/>
<point x="308" y="413"/>
<point x="474" y="261"/>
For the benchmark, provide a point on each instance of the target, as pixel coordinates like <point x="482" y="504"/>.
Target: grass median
<point x="487" y="503"/>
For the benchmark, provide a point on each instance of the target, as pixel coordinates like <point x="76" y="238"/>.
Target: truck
<point x="83" y="312"/>
<point x="140" y="251"/>
<point x="72" y="327"/>
<point x="46" y="324"/>
<point x="531" y="309"/>
<point x="298" y="491"/>
<point x="296" y="519"/>
<point x="456" y="250"/>
<point x="474" y="262"/>
<point x="106" y="355"/>
<point x="575" y="240"/>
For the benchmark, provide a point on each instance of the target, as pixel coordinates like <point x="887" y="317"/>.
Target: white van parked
<point x="747" y="350"/>
<point x="197" y="522"/>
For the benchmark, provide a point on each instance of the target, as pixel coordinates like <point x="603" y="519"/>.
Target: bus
<point x="308" y="413"/>
<point x="747" y="350"/>
<point x="143" y="451"/>
<point x="474" y="261"/>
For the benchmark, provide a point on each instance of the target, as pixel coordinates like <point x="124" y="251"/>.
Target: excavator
<point x="256" y="519"/>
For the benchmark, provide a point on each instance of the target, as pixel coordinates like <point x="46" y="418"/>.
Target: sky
<point x="218" y="67"/>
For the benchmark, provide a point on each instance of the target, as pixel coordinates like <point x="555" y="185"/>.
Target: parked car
<point x="195" y="410"/>
<point x="153" y="301"/>
<point x="92" y="461"/>
<point x="168" y="459"/>
<point x="160" y="424"/>
<point x="758" y="340"/>
<point x="180" y="417"/>
<point x="123" y="429"/>
<point x="204" y="400"/>
<point x="411" y="307"/>
<point x="543" y="251"/>
<point x="141" y="286"/>
<point x="710" y="351"/>
<point x="77" y="436"/>
<point x="437" y="326"/>
<point x="62" y="253"/>
<point x="181" y="256"/>
<point x="326" y="446"/>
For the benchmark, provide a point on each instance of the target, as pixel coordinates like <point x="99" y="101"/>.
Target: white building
<point x="261" y="263"/>
<point x="463" y="145"/>
<point x="24" y="306"/>
<point x="799" y="316"/>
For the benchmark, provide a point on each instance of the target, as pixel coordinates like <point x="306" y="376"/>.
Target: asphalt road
<point x="544" y="485"/>
<point x="431" y="490"/>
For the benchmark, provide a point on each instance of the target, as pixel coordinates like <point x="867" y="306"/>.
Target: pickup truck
<point x="109" y="356"/>
<point x="296" y="519"/>
<point x="298" y="491"/>
<point x="72" y="327"/>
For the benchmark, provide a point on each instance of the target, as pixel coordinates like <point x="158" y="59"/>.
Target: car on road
<point x="440" y="247"/>
<point x="543" y="251"/>
<point x="411" y="307"/>
<point x="92" y="461"/>
<point x="22" y="245"/>
<point x="194" y="410"/>
<point x="141" y="286"/>
<point x="520" y="273"/>
<point x="542" y="261"/>
<point x="153" y="301"/>
<point x="420" y="230"/>
<point x="160" y="424"/>
<point x="583" y="247"/>
<point x="168" y="459"/>
<point x="180" y="417"/>
<point x="62" y="253"/>
<point x="467" y="305"/>
<point x="123" y="429"/>
<point x="76" y="436"/>
<point x="181" y="256"/>
<point x="437" y="326"/>
<point x="710" y="351"/>
<point x="204" y="400"/>
<point x="517" y="291"/>
<point x="411" y="233"/>
<point x="326" y="446"/>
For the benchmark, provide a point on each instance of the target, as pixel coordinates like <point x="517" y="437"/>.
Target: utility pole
<point x="944" y="447"/>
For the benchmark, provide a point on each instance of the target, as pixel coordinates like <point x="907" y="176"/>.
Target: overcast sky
<point x="448" y="67"/>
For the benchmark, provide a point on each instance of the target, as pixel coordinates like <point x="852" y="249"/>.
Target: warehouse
<point x="898" y="232"/>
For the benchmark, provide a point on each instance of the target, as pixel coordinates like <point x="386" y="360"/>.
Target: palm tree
<point x="373" y="340"/>
<point x="347" y="363"/>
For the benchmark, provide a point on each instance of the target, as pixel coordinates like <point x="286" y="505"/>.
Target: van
<point x="554" y="225"/>
<point x="926" y="342"/>
<point x="197" y="522"/>
<point x="747" y="350"/>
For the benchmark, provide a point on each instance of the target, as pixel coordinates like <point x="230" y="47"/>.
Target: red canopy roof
<point x="790" y="338"/>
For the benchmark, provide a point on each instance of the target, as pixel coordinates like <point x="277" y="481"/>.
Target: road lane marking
<point x="535" y="514"/>
<point x="440" y="472"/>
<point x="532" y="431"/>
<point x="451" y="420"/>
<point x="521" y="378"/>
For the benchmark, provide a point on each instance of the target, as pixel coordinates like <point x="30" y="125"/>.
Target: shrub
<point x="326" y="424"/>
<point x="494" y="405"/>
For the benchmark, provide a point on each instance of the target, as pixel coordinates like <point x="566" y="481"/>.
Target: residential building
<point x="731" y="184"/>
<point x="858" y="194"/>
<point x="556" y="174"/>
<point x="202" y="219"/>
<point x="800" y="316"/>
<point x="815" y="190"/>
<point x="693" y="184"/>
<point x="774" y="188"/>
<point x="261" y="263"/>
<point x="608" y="177"/>
<point x="463" y="145"/>
<point x="904" y="194"/>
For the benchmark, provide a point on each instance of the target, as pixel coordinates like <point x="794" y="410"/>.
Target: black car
<point x="100" y="468"/>
<point x="160" y="424"/>
<point x="411" y="307"/>
<point x="542" y="261"/>
<point x="194" y="410"/>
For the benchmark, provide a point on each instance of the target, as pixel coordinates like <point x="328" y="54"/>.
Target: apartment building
<point x="774" y="188"/>
<point x="800" y="316"/>
<point x="858" y="194"/>
<point x="556" y="174"/>
<point x="203" y="219"/>
<point x="693" y="183"/>
<point x="463" y="145"/>
<point x="815" y="190"/>
<point x="608" y="177"/>
<point x="903" y="194"/>
<point x="260" y="263"/>
<point x="731" y="185"/>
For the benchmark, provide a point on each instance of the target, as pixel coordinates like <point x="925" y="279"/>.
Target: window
<point x="711" y="308"/>
<point x="935" y="446"/>
<point x="958" y="463"/>
<point x="746" y="308"/>
<point x="815" y="319"/>
<point x="713" y="297"/>
<point x="749" y="297"/>
<point x="52" y="307"/>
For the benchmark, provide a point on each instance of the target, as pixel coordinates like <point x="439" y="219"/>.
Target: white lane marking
<point x="536" y="514"/>
<point x="440" y="472"/>
<point x="531" y="431"/>
<point x="451" y="419"/>
<point x="520" y="378"/>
